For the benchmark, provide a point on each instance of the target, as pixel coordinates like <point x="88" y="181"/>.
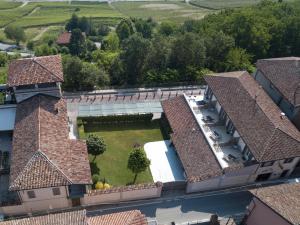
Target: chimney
<point x="214" y="220"/>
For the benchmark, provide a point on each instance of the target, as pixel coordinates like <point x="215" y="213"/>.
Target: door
<point x="75" y="202"/>
<point x="263" y="177"/>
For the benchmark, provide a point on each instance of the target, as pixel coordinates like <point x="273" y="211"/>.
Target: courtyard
<point x="120" y="139"/>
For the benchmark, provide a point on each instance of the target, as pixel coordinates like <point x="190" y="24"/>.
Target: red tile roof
<point x="134" y="217"/>
<point x="43" y="155"/>
<point x="37" y="70"/>
<point x="67" y="218"/>
<point x="268" y="134"/>
<point x="284" y="199"/>
<point x="64" y="38"/>
<point x="281" y="71"/>
<point x="197" y="158"/>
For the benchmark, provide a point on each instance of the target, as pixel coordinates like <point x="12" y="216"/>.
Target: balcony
<point x="223" y="144"/>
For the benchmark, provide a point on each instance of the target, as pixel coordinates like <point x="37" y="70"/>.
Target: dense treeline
<point x="142" y="52"/>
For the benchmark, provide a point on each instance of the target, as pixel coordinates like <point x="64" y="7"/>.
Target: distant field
<point x="40" y="18"/>
<point x="49" y="13"/>
<point x="8" y="4"/>
<point x="223" y="4"/>
<point x="161" y="10"/>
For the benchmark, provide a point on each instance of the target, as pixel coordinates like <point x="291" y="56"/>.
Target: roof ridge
<point x="34" y="60"/>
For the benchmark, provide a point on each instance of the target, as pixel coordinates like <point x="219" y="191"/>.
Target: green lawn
<point x="120" y="139"/>
<point x="161" y="10"/>
<point x="49" y="13"/>
<point x="4" y="4"/>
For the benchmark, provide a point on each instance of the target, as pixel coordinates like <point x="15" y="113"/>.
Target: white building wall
<point x="45" y="199"/>
<point x="206" y="185"/>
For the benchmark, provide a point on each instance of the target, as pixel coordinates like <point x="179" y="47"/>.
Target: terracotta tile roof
<point x="284" y="199"/>
<point x="268" y="134"/>
<point x="64" y="38"/>
<point x="134" y="217"/>
<point x="67" y="218"/>
<point x="197" y="158"/>
<point x="42" y="154"/>
<point x="281" y="71"/>
<point x="45" y="69"/>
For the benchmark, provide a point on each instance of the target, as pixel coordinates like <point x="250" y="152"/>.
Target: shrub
<point x="117" y="119"/>
<point x="99" y="185"/>
<point x="95" y="178"/>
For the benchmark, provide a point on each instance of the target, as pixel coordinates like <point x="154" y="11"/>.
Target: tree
<point x="124" y="29"/>
<point x="159" y="53"/>
<point x="187" y="50"/>
<point x="111" y="42"/>
<point x="144" y="27"/>
<point x="217" y="45"/>
<point x="82" y="76"/>
<point x="45" y="49"/>
<point x="238" y="59"/>
<point x="134" y="57"/>
<point x="77" y="44"/>
<point x="95" y="145"/>
<point x="15" y="33"/>
<point x="3" y="59"/>
<point x="167" y="28"/>
<point x="103" y="30"/>
<point x="84" y="25"/>
<point x="72" y="23"/>
<point x="137" y="162"/>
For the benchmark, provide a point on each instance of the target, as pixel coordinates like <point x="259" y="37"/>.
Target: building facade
<point x="232" y="135"/>
<point x="47" y="169"/>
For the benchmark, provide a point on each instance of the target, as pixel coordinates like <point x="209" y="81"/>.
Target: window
<point x="56" y="191"/>
<point x="31" y="194"/>
<point x="265" y="164"/>
<point x="288" y="160"/>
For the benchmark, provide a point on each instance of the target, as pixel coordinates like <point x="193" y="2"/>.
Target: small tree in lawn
<point x="15" y="33"/>
<point x="137" y="162"/>
<point x="95" y="145"/>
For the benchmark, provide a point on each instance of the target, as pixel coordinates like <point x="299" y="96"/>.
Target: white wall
<point x="44" y="200"/>
<point x="121" y="195"/>
<point x="276" y="169"/>
<point x="43" y="194"/>
<point x="205" y="185"/>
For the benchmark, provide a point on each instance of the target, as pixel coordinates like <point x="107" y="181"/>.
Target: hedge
<point x="115" y="119"/>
